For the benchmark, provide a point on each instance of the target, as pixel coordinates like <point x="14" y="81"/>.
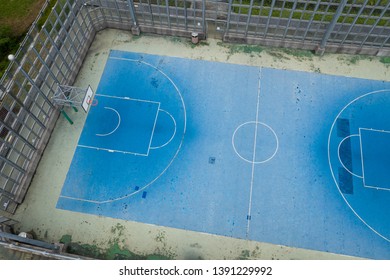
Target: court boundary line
<point x="173" y="135"/>
<point x="330" y="164"/>
<point x="111" y="150"/>
<point x="115" y="129"/>
<point x="128" y="98"/>
<point x="173" y="158"/>
<point x="361" y="148"/>
<point x="362" y="156"/>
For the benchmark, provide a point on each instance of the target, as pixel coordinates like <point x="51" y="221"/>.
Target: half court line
<point x="253" y="157"/>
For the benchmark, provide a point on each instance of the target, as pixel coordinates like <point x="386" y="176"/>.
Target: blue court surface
<point x="285" y="157"/>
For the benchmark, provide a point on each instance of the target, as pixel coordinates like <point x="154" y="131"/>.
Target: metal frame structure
<point x="343" y="26"/>
<point x="69" y="96"/>
<point x="52" y="53"/>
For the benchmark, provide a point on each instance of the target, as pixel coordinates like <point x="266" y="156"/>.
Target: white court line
<point x="127" y="98"/>
<point x="154" y="126"/>
<point x="372" y="129"/>
<point x="361" y="151"/>
<point x="119" y="123"/>
<point x="376" y="188"/>
<point x="338" y="154"/>
<point x="330" y="164"/>
<point x="251" y="161"/>
<point x="362" y="160"/>
<point x="173" y="158"/>
<point x="253" y="157"/>
<point x="111" y="151"/>
<point x="173" y="135"/>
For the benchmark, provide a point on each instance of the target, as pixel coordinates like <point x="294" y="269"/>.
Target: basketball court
<point x="285" y="157"/>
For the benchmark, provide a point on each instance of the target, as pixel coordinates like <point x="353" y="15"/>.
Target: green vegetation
<point x="113" y="252"/>
<point x="16" y="18"/>
<point x="304" y="11"/>
<point x="298" y="53"/>
<point x="46" y="13"/>
<point x="186" y="42"/>
<point x="354" y="59"/>
<point x="385" y="60"/>
<point x="9" y="43"/>
<point x="12" y="10"/>
<point x="236" y="48"/>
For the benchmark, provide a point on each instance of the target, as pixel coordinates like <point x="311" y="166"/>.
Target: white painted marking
<point x="251" y="161"/>
<point x="128" y="98"/>
<point x="173" y="158"/>
<point x="174" y="132"/>
<point x="110" y="150"/>
<point x="330" y="164"/>
<point x="154" y="126"/>
<point x="362" y="159"/>
<point x="118" y="123"/>
<point x="253" y="158"/>
<point x="341" y="161"/>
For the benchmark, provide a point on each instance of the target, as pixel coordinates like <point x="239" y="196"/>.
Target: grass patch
<point x="200" y="44"/>
<point x="300" y="54"/>
<point x="354" y="59"/>
<point x="18" y="15"/>
<point x="237" y="48"/>
<point x="46" y="13"/>
<point x="66" y="239"/>
<point x="187" y="42"/>
<point x="385" y="60"/>
<point x="114" y="252"/>
<point x="15" y="19"/>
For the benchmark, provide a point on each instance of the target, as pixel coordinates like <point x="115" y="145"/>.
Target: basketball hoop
<point x="92" y="102"/>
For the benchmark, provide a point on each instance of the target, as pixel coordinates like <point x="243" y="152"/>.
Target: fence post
<point x="204" y="17"/>
<point x="228" y="17"/>
<point x="321" y="47"/>
<point x="134" y="27"/>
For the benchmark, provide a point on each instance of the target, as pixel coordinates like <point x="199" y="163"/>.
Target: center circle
<point x="255" y="142"/>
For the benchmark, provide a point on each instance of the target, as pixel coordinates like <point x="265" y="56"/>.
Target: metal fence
<point x="53" y="51"/>
<point x="346" y="26"/>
